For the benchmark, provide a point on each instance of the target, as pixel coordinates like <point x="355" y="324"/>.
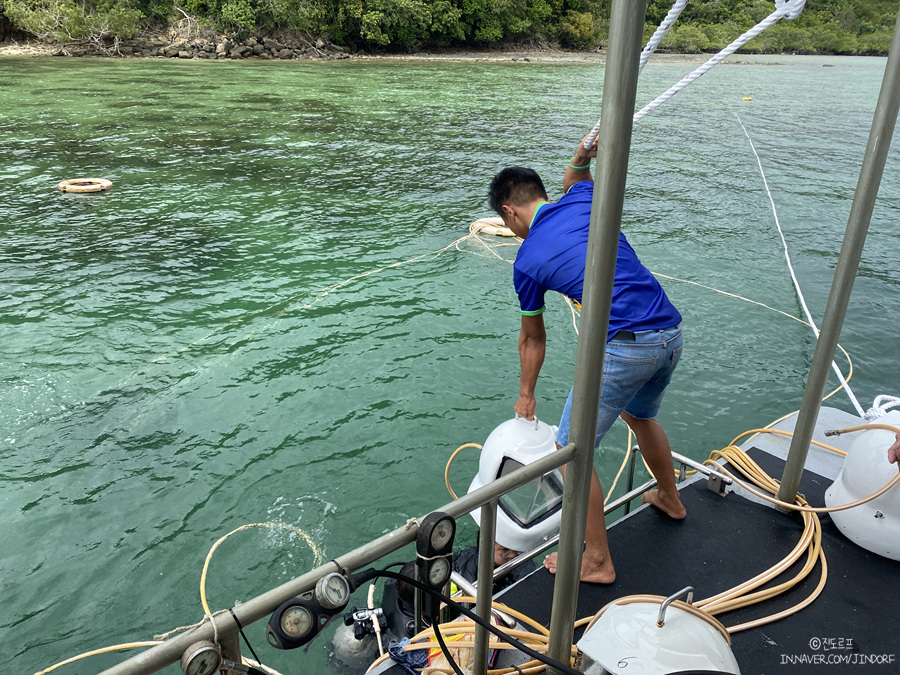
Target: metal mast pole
<point x="848" y="263"/>
<point x="617" y="112"/>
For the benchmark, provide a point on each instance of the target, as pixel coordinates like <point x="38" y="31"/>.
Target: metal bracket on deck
<point x="715" y="481"/>
<point x="718" y="483"/>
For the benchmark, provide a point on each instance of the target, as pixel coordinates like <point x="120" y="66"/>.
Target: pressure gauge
<point x="333" y="591"/>
<point x="439" y="572"/>
<point x="201" y="658"/>
<point x="442" y="533"/>
<point x="294" y="623"/>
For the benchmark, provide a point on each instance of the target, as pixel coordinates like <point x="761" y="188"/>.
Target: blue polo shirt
<point x="552" y="258"/>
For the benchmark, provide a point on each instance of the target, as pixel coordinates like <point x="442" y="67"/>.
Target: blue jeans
<point x="635" y="376"/>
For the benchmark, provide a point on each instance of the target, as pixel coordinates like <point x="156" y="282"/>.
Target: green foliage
<point x="496" y="20"/>
<point x="876" y="42"/>
<point x="578" y="29"/>
<point x="832" y="26"/>
<point x="446" y="21"/>
<point x="245" y="16"/>
<point x="403" y="22"/>
<point x="64" y="20"/>
<point x="720" y="35"/>
<point x="685" y="39"/>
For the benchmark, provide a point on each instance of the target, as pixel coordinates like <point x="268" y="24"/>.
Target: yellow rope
<point x="318" y="559"/>
<point x="812" y="509"/>
<point x="104" y="650"/>
<point x="450" y="461"/>
<point x="615" y="482"/>
<point x="780" y="432"/>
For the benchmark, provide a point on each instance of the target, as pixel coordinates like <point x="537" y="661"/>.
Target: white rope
<point x="787" y="257"/>
<point x="881" y="405"/>
<point x="783" y="8"/>
<point x="661" y="31"/>
<point x="653" y="43"/>
<point x="789" y="8"/>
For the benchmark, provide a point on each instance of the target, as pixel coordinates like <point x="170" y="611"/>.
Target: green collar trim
<point x="537" y="208"/>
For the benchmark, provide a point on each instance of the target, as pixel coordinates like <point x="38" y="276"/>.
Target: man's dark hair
<point x="515" y="185"/>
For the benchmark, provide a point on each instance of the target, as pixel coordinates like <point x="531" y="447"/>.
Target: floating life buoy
<point x="85" y="185"/>
<point x="493" y="225"/>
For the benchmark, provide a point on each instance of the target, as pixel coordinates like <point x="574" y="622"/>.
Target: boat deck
<point x="726" y="540"/>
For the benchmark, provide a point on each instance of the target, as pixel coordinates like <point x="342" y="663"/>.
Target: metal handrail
<point x="224" y="625"/>
<point x="702" y="468"/>
<point x="258" y="608"/>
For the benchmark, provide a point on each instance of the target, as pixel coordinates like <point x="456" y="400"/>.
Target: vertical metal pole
<point x="485" y="584"/>
<point x="417" y="606"/>
<point x="619" y="90"/>
<point x="631" y="462"/>
<point x="848" y="263"/>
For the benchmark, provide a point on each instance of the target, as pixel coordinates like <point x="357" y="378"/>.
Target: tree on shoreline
<point x="825" y="26"/>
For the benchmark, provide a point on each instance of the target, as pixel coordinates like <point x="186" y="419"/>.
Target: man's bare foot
<point x="671" y="507"/>
<point x="591" y="572"/>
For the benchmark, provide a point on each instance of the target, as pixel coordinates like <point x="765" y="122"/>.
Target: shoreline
<point x="140" y="49"/>
<point x="321" y="51"/>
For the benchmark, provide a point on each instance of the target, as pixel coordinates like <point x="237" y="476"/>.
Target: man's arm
<point x="582" y="158"/>
<point x="532" y="343"/>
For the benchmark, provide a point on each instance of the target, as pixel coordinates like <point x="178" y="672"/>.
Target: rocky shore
<point x="197" y="48"/>
<point x="212" y="47"/>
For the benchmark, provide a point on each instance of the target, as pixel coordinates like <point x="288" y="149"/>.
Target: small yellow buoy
<point x="85" y="185"/>
<point x="747" y="98"/>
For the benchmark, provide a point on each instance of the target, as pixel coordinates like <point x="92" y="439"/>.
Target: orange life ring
<point x="85" y="185"/>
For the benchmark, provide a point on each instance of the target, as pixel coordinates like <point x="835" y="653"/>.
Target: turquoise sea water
<point x="225" y="336"/>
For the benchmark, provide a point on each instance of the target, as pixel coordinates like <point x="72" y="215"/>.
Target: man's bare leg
<point x="655" y="447"/>
<point x="596" y="563"/>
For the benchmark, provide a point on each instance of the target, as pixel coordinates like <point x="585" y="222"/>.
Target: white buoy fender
<point x="874" y="525"/>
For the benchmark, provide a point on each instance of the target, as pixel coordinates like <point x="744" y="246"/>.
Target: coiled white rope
<point x="787" y="257"/>
<point x="881" y="405"/>
<point x="783" y="9"/>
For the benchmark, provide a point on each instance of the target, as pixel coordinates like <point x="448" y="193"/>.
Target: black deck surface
<point x="854" y="626"/>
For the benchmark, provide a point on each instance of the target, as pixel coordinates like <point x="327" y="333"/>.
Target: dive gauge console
<point x="434" y="554"/>
<point x="299" y="620"/>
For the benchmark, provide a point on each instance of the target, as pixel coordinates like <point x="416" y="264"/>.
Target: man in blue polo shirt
<point x="643" y="344"/>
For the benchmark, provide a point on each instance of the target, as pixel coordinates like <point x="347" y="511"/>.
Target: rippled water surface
<point x="227" y="336"/>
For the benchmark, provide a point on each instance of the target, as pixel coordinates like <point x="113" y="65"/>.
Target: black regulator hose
<point x="368" y="575"/>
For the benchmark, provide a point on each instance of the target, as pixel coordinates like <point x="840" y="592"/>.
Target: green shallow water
<point x="181" y="355"/>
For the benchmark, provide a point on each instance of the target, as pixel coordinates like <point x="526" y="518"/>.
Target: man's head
<point x="513" y="194"/>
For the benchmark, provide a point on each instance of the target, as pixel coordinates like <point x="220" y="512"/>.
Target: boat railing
<point x="225" y="627"/>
